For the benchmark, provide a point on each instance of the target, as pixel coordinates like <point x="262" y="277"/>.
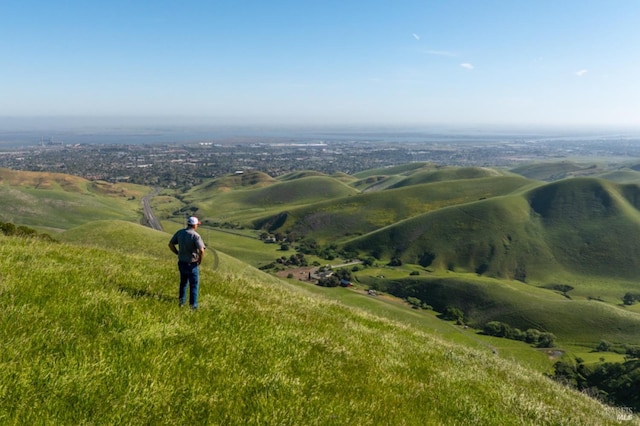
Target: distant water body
<point x="45" y="133"/>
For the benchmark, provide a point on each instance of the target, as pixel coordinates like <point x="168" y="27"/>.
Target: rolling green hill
<point x="243" y="205"/>
<point x="360" y="214"/>
<point x="552" y="256"/>
<point x="581" y="233"/>
<point x="376" y="183"/>
<point x="574" y="320"/>
<point x="553" y="171"/>
<point x="94" y="335"/>
<point x="444" y="173"/>
<point x="300" y="174"/>
<point x="55" y="201"/>
<point x="403" y="169"/>
<point x="580" y="225"/>
<point x="623" y="175"/>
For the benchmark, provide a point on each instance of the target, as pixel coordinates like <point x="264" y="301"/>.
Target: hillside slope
<point x="244" y="203"/>
<point x="553" y="171"/>
<point x="364" y="213"/>
<point x="94" y="335"/>
<point x="443" y="173"/>
<point x="581" y="225"/>
<point x="59" y="201"/>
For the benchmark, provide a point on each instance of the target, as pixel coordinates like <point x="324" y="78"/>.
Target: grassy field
<point x="105" y="297"/>
<point x="54" y="202"/>
<point x="93" y="335"/>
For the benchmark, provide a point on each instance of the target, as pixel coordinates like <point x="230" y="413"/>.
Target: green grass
<point x="573" y="321"/>
<point x="250" y="249"/>
<point x="243" y="204"/>
<point x="545" y="233"/>
<point x="105" y="298"/>
<point x="94" y="336"/>
<point x="55" y="202"/>
<point x="549" y="171"/>
<point x="342" y="218"/>
<point x="397" y="310"/>
<point x="403" y="169"/>
<point x="443" y="173"/>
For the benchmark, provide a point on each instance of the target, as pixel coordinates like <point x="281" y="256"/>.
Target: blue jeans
<point x="189" y="274"/>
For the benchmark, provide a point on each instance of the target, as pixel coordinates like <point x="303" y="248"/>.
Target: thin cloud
<point x="467" y="66"/>
<point x="581" y="73"/>
<point x="416" y="36"/>
<point x="441" y="53"/>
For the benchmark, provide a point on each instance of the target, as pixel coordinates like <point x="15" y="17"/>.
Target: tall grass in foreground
<point x="95" y="336"/>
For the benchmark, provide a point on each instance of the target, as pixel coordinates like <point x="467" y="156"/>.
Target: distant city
<point x="179" y="158"/>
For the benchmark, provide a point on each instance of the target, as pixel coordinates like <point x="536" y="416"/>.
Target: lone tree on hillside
<point x="453" y="314"/>
<point x="630" y="298"/>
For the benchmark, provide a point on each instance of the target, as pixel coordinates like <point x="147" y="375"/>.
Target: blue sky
<point x="510" y="62"/>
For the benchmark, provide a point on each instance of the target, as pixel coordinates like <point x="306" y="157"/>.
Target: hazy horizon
<point x="30" y="131"/>
<point x="414" y="63"/>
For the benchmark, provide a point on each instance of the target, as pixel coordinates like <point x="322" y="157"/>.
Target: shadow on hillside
<point x="138" y="293"/>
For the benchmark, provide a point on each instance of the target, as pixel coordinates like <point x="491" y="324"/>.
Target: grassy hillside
<point x="493" y="237"/>
<point x="57" y="201"/>
<point x="623" y="175"/>
<point x="241" y="204"/>
<point x="443" y="173"/>
<point x="579" y="234"/>
<point x="574" y="320"/>
<point x="591" y="225"/>
<point x="226" y="183"/>
<point x="94" y="335"/>
<point x="364" y="213"/>
<point x="403" y="169"/>
<point x="583" y="226"/>
<point x="376" y="183"/>
<point x="553" y="171"/>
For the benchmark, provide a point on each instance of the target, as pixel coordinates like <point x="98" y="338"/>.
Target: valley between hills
<point x="530" y="268"/>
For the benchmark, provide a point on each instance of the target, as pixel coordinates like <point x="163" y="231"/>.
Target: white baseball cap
<point x="193" y="221"/>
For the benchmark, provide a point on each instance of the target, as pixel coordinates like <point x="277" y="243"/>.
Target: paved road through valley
<point x="149" y="217"/>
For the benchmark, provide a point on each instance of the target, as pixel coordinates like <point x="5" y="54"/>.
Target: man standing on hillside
<point x="190" y="252"/>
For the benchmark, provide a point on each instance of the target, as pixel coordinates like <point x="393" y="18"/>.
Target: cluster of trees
<point x="535" y="337"/>
<point x="631" y="298"/>
<point x="11" y="229"/>
<point x="451" y="313"/>
<point x="417" y="303"/>
<point x="303" y="247"/>
<point x="297" y="259"/>
<point x="338" y="277"/>
<point x="614" y="383"/>
<point x="329" y="252"/>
